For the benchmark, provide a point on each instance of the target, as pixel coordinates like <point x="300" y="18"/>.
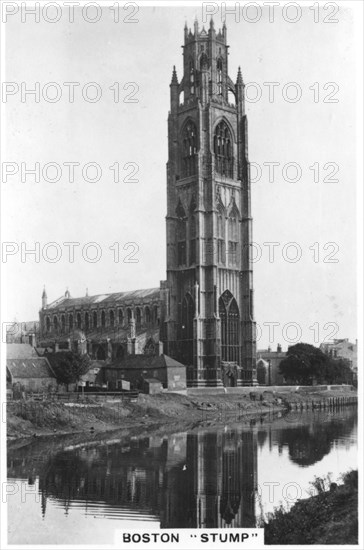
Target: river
<point x="210" y="477"/>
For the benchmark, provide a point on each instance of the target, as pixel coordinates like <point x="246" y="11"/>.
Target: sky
<point x="312" y="299"/>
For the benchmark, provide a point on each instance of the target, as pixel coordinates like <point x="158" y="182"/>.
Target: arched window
<point x="70" y="321"/>
<point x="79" y="320"/>
<point x="230" y="320"/>
<point x="100" y="353"/>
<point x="221" y="254"/>
<point x="186" y="330"/>
<point x="233" y="241"/>
<point x="149" y="348"/>
<point x="192" y="78"/>
<point x="94" y="319"/>
<point x="192" y="239"/>
<point x="219" y="76"/>
<point x="55" y="323"/>
<point x="181" y="235"/>
<point x="204" y="62"/>
<point x="155" y="314"/>
<point x="189" y="149"/>
<point x="103" y="319"/>
<point x="48" y="324"/>
<point x="87" y="321"/>
<point x="147" y="315"/>
<point x="112" y="318"/>
<point x="138" y="317"/>
<point x="63" y="323"/>
<point x="129" y="314"/>
<point x="121" y="318"/>
<point x="223" y="150"/>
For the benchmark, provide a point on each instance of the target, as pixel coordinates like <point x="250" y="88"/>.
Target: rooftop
<point x="20" y="351"/>
<point x="105" y="299"/>
<point x="38" y="367"/>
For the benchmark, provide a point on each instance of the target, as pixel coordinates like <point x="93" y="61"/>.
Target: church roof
<point x="30" y="368"/>
<point x="145" y="362"/>
<point x="106" y="299"/>
<point x="20" y="351"/>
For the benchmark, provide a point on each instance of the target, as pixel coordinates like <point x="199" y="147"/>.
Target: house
<point x="137" y="368"/>
<point x="30" y="374"/>
<point x="268" y="362"/>
<point x="342" y="349"/>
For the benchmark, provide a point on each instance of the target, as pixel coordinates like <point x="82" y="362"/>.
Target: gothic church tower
<point x="209" y="322"/>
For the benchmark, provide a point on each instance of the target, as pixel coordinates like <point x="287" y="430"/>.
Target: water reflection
<point x="202" y="479"/>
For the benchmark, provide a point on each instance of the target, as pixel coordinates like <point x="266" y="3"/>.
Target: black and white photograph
<point x="181" y="274"/>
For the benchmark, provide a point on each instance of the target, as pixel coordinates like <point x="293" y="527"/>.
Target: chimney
<point x="160" y="348"/>
<point x="32" y="340"/>
<point x="279" y="348"/>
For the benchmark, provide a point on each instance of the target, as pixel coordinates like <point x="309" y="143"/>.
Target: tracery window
<point x="112" y="318"/>
<point x="204" y="62"/>
<point x="221" y="252"/>
<point x="219" y="76"/>
<point x="189" y="150"/>
<point x="223" y="150"/>
<point x="192" y="240"/>
<point x="87" y="321"/>
<point x="230" y="320"/>
<point x="79" y="320"/>
<point x="70" y="321"/>
<point x="233" y="241"/>
<point x="192" y="78"/>
<point x="147" y="315"/>
<point x="55" y="323"/>
<point x="186" y="334"/>
<point x="94" y="319"/>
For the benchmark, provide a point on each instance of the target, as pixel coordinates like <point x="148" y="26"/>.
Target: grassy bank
<point x="27" y="418"/>
<point x="40" y="418"/>
<point x="329" y="517"/>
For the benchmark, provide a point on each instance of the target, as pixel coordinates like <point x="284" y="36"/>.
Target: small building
<point x="137" y="368"/>
<point x="32" y="374"/>
<point x="342" y="348"/>
<point x="26" y="371"/>
<point x="151" y="386"/>
<point x="268" y="362"/>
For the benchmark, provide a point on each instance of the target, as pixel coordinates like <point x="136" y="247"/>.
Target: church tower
<point x="209" y="322"/>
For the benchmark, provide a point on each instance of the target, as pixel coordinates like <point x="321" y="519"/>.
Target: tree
<point x="339" y="371"/>
<point x="304" y="364"/>
<point x="68" y="366"/>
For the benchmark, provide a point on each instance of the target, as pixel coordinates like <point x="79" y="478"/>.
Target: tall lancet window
<point x="189" y="150"/>
<point x="224" y="161"/>
<point x="230" y="321"/>
<point x="181" y="234"/>
<point x="192" y="78"/>
<point x="219" y="76"/>
<point x="233" y="240"/>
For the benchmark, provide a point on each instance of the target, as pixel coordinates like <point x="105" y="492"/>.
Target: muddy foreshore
<point x="167" y="412"/>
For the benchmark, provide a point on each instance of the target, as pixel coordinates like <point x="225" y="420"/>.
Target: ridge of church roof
<point x="104" y="298"/>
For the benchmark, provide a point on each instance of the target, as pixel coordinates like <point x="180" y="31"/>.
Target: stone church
<point x="202" y="315"/>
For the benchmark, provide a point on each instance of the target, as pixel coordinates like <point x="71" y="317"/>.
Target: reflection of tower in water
<point x="217" y="485"/>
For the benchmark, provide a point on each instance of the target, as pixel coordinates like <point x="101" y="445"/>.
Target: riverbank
<point x="330" y="517"/>
<point x="93" y="415"/>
